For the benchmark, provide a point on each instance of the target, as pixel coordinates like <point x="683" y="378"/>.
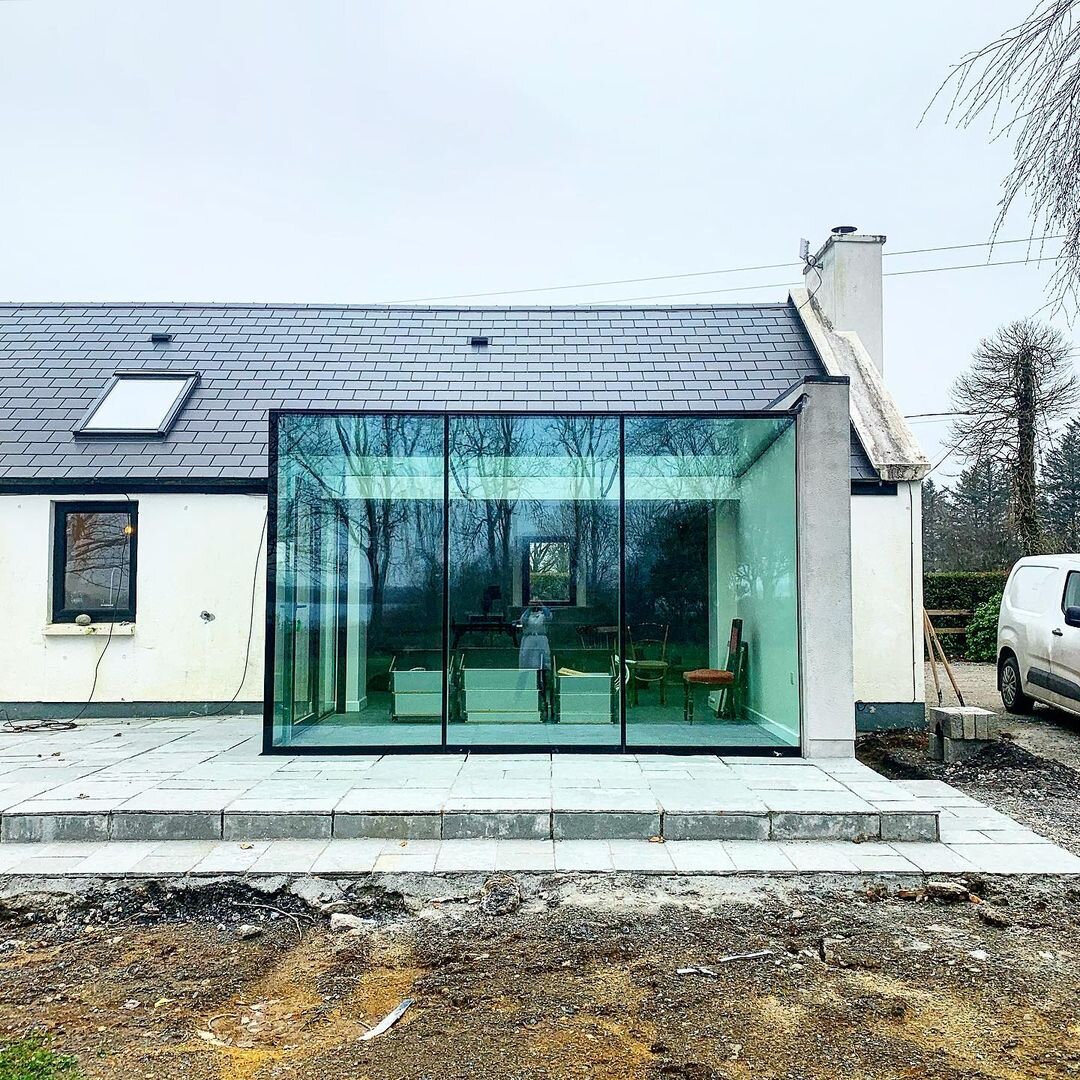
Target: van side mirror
<point x="1072" y="616"/>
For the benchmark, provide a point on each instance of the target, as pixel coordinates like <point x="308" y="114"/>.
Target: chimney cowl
<point x="843" y="230"/>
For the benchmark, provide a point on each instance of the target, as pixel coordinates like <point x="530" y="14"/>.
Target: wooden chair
<point x="730" y="680"/>
<point x="648" y="658"/>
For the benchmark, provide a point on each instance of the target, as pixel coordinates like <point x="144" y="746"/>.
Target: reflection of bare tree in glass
<point x="592" y="444"/>
<point x="388" y="530"/>
<point x="688" y="460"/>
<point x="481" y="450"/>
<point x="96" y="574"/>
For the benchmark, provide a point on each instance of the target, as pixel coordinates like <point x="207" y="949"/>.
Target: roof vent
<point x="160" y="337"/>
<point x="479" y="342"/>
<point x="843" y="230"/>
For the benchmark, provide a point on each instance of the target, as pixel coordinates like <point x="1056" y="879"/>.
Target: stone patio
<point x="196" y="796"/>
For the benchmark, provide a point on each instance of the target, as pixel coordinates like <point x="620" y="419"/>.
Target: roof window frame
<point x="189" y="378"/>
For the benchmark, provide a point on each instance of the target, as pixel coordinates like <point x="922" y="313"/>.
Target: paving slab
<point x="178" y="780"/>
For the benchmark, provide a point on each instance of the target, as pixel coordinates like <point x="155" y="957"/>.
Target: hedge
<point x="960" y="591"/>
<point x="950" y="590"/>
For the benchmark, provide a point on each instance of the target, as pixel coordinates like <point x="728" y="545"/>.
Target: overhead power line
<point x="790" y="284"/>
<point x="708" y="273"/>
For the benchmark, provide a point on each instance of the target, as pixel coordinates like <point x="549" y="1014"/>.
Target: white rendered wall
<point x="886" y="552"/>
<point x="195" y="553"/>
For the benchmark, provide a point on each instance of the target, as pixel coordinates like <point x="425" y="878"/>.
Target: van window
<point x="1072" y="590"/>
<point x="1030" y="589"/>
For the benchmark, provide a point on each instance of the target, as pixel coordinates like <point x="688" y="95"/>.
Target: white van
<point x="1039" y="634"/>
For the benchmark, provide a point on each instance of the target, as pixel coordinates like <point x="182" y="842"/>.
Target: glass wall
<point x="359" y="581"/>
<point x="711" y="605"/>
<point x="535" y="581"/>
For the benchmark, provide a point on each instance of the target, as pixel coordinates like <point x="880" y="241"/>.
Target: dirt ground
<point x="582" y="981"/>
<point x="1032" y="774"/>
<point x="613" y="978"/>
<point x="1049" y="733"/>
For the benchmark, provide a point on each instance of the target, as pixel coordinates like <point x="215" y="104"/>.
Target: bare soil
<point x="583" y="981"/>
<point x="1032" y="774"/>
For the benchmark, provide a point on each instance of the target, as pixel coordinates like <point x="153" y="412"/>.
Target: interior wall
<point x="196" y="553"/>
<point x="765" y="540"/>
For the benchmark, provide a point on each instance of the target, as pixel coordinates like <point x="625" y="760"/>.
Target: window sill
<point x="123" y="629"/>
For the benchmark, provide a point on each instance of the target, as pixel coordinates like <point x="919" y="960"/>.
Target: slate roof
<point x="56" y="359"/>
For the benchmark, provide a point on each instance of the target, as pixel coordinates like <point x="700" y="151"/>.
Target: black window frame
<point x="1065" y="591"/>
<point x="61" y="510"/>
<point x="190" y="380"/>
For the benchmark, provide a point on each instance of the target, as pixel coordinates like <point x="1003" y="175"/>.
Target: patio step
<point x="368" y="818"/>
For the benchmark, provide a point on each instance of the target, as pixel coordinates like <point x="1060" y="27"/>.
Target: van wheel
<point x="1012" y="688"/>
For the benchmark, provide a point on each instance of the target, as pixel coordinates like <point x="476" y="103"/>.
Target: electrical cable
<point x="794" y="284"/>
<point x="251" y="622"/>
<point x="13" y="726"/>
<point x="708" y="273"/>
<point x="112" y="624"/>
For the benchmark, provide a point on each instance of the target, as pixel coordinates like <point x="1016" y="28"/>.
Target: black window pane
<point x="98" y="564"/>
<point x="1072" y="591"/>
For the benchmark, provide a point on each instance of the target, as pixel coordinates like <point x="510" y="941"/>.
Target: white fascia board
<point x="881" y="427"/>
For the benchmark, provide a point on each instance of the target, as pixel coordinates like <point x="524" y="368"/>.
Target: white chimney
<point x="844" y="278"/>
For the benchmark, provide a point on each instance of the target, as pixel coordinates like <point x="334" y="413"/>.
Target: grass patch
<point x="33" y="1058"/>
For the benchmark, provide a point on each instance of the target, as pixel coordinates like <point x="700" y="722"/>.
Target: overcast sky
<point x="360" y="151"/>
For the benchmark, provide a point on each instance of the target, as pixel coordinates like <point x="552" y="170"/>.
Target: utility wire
<point x="709" y="273"/>
<point x="790" y="284"/>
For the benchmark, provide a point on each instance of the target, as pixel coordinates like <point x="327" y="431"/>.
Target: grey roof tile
<point x="56" y="359"/>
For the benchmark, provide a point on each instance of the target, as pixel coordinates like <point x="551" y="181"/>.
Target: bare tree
<point x="1028" y="82"/>
<point x="1020" y="385"/>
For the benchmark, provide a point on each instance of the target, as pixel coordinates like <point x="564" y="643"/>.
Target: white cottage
<point x="690" y="528"/>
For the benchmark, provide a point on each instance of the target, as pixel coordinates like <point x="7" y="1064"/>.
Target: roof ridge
<point x="267" y="306"/>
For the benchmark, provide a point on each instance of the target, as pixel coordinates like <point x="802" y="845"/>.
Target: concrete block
<point x="388" y="826"/>
<point x="706" y="826"/>
<point x="954" y="750"/>
<point x="30" y="828"/>
<point x="935" y="748"/>
<point x="910" y="826"/>
<point x="961" y="723"/>
<point x="297" y="825"/>
<point x="165" y="825"/>
<point x="604" y="825"/>
<point x="786" y="825"/>
<point x="498" y="824"/>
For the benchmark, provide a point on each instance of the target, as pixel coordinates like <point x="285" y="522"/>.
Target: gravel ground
<point x="1048" y="733"/>
<point x="1032" y="774"/>
<point x="632" y="979"/>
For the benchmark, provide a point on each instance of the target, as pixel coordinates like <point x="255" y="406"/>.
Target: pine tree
<point x="1061" y="490"/>
<point x="1020" y="384"/>
<point x="981" y="518"/>
<point x="937" y="527"/>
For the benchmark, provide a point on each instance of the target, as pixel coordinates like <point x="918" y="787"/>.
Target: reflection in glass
<point x="518" y="634"/>
<point x="711" y="612"/>
<point x="97" y="562"/>
<point x="359" y="580"/>
<point x="534" y="556"/>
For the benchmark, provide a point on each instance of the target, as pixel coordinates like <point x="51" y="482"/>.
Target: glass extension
<point x="538" y="582"/>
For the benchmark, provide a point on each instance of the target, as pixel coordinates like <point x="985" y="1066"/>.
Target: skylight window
<point x="139" y="403"/>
